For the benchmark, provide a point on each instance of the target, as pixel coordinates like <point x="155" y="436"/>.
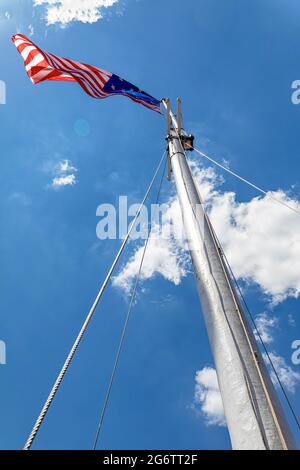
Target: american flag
<point x="98" y="83"/>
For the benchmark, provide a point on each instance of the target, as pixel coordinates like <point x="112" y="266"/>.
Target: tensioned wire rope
<point x="255" y="326"/>
<point x="128" y="316"/>
<point x="239" y="290"/>
<point x="242" y="297"/>
<point x="87" y="321"/>
<point x="244" y="180"/>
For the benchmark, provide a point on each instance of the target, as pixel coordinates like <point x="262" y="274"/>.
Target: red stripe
<point x="31" y="56"/>
<point x="23" y="46"/>
<point x="77" y="65"/>
<point x="83" y="85"/>
<point x="84" y="73"/>
<point x="57" y="61"/>
<point x="35" y="70"/>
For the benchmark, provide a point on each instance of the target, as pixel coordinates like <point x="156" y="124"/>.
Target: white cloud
<point x="167" y="253"/>
<point x="31" y="30"/>
<point x="66" y="11"/>
<point x="64" y="173"/>
<point x="291" y="320"/>
<point x="208" y="397"/>
<point x="288" y="376"/>
<point x="161" y="258"/>
<point x="260" y="237"/>
<point x="266" y="325"/>
<point x="164" y="256"/>
<point x="65" y="166"/>
<point x="60" y="181"/>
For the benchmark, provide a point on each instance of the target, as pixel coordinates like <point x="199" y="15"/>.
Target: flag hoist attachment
<point x="254" y="415"/>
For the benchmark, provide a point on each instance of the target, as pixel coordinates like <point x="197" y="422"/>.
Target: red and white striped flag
<point x="98" y="83"/>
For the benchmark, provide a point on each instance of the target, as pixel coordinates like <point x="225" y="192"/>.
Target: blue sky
<point x="232" y="63"/>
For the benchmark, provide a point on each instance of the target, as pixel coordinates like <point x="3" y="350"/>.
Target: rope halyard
<point x="74" y="348"/>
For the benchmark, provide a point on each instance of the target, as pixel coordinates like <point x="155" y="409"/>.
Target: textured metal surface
<point x="244" y="383"/>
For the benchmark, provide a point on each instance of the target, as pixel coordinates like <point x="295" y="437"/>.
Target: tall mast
<point x="253" y="413"/>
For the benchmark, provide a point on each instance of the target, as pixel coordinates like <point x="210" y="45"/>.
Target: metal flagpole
<point x="253" y="413"/>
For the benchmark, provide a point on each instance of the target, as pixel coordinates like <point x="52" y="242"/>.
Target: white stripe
<point x="82" y="75"/>
<point x="35" y="61"/>
<point x="104" y="72"/>
<point x="25" y="53"/>
<point x="86" y="82"/>
<point x="18" y="37"/>
<point x="96" y="81"/>
<point x="47" y="71"/>
<point x="41" y="74"/>
<point x="105" y="75"/>
<point x="19" y="42"/>
<point x="66" y="75"/>
<point x="58" y="66"/>
<point x="96" y="94"/>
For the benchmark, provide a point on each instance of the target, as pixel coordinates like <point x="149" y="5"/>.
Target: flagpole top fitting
<point x="187" y="141"/>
